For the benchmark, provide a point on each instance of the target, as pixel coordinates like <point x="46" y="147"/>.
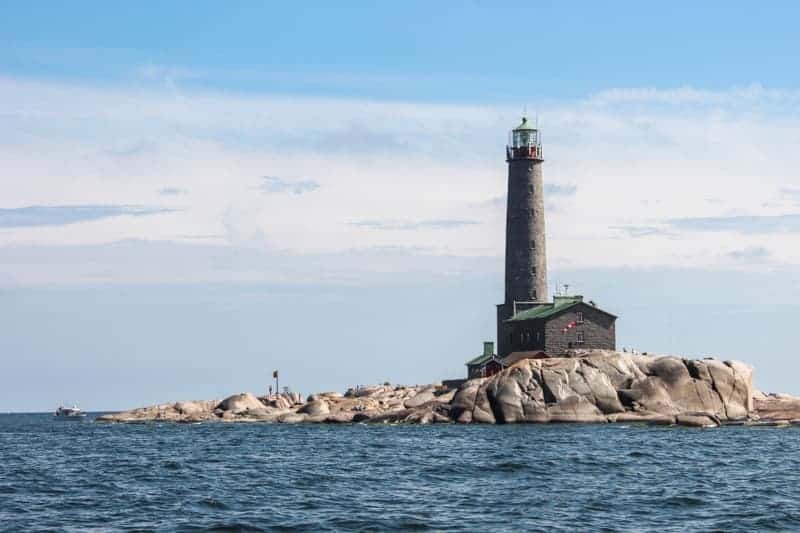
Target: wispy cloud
<point x="554" y="189"/>
<point x="495" y="202"/>
<point x="403" y="225"/>
<point x="171" y="191"/>
<point x="353" y="138"/>
<point x="167" y="75"/>
<point x="275" y="185"/>
<point x="689" y="95"/>
<point x="752" y="224"/>
<point x="640" y="231"/>
<point x="751" y="254"/>
<point x="60" y="215"/>
<point x="631" y="170"/>
<point x="131" y="147"/>
<point x="550" y="190"/>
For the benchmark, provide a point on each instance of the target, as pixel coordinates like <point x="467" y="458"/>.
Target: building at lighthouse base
<point x="566" y="323"/>
<point x="543" y="330"/>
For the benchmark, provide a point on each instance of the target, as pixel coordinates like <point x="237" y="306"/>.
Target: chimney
<point x="488" y="348"/>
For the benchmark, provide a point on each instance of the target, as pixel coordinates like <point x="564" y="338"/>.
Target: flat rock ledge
<point x="596" y="387"/>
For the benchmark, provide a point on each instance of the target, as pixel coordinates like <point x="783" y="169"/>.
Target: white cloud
<point x="412" y="225"/>
<point x="753" y="254"/>
<point x="623" y="163"/>
<point x="61" y="215"/>
<point x="275" y="185"/>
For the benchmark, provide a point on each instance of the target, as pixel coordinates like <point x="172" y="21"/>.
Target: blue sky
<point x="466" y="51"/>
<point x="189" y="188"/>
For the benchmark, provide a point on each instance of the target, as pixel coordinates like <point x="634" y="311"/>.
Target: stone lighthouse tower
<point x="526" y="260"/>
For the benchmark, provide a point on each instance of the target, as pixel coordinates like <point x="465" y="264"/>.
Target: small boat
<point x="70" y="413"/>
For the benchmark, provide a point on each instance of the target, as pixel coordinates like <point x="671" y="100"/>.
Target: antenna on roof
<point x="537" y="120"/>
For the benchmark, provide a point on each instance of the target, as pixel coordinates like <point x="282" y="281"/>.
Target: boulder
<point x="392" y="417"/>
<point x="196" y="418"/>
<point x="240" y="403"/>
<point x="641" y="417"/>
<point x="292" y="418"/>
<point x="598" y="387"/>
<point x="278" y="401"/>
<point x="697" y="420"/>
<point x="342" y="417"/>
<point x="482" y="410"/>
<point x="464" y="400"/>
<point x="505" y="396"/>
<point x="315" y="407"/>
<point x="362" y="392"/>
<point x="420" y="398"/>
<point x="440" y="418"/>
<point x="447" y="397"/>
<point x="361" y="417"/>
<point x="264" y="414"/>
<point x="324" y="396"/>
<point x="575" y="409"/>
<point x="194" y="407"/>
<point x="777" y="407"/>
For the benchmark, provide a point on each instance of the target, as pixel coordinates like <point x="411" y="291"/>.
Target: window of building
<point x="579" y="337"/>
<point x="580" y="317"/>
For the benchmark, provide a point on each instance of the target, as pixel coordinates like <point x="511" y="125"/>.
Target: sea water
<point x="77" y="476"/>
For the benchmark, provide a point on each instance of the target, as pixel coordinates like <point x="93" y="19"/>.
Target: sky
<point x="195" y="194"/>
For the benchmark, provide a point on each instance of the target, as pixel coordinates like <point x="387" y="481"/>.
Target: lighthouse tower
<point x="526" y="260"/>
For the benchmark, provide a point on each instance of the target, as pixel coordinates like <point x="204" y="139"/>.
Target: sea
<point x="87" y="476"/>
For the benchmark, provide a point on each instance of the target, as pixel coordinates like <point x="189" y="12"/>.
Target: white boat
<point x="70" y="413"/>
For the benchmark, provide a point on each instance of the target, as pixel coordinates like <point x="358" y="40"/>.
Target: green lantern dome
<point x="525" y="126"/>
<point x="524" y="142"/>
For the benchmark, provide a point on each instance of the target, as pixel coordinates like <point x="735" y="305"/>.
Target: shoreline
<point x="596" y="387"/>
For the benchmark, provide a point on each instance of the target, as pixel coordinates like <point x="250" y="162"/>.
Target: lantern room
<point x="525" y="142"/>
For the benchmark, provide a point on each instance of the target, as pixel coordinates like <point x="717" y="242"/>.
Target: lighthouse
<point x="528" y="325"/>
<point x="526" y="258"/>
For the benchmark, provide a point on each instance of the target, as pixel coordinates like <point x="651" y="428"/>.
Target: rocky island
<point x="592" y="387"/>
<point x="539" y="375"/>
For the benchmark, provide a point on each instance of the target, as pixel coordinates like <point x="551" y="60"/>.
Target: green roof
<point x="559" y="304"/>
<point x="488" y="353"/>
<point x="482" y="358"/>
<point x="525" y="125"/>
